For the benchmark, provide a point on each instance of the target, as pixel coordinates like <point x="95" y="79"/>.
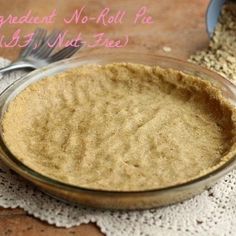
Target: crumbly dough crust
<point x="121" y="126"/>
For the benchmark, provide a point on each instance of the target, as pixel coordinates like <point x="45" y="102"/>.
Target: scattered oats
<point x="167" y="49"/>
<point x="221" y="53"/>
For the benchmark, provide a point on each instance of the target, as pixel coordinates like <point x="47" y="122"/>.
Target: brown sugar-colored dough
<point x="121" y="126"/>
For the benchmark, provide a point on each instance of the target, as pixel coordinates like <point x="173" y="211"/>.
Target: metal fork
<point x="38" y="53"/>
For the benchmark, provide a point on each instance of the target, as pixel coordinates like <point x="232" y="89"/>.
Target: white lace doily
<point x="211" y="213"/>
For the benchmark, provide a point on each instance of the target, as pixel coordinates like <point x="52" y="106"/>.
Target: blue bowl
<point x="212" y="15"/>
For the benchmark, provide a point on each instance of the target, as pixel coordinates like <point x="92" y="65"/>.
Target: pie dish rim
<point x="54" y="186"/>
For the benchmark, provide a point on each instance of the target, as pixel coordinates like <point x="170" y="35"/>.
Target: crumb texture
<point x="120" y="127"/>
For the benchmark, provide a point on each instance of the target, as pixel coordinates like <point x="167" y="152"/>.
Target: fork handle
<point x="16" y="65"/>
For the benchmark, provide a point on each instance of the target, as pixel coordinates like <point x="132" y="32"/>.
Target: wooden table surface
<point x="179" y="25"/>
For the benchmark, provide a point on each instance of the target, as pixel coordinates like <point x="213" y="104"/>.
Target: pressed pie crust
<point x="121" y="126"/>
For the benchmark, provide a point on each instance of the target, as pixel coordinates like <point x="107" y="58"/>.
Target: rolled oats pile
<point x="221" y="53"/>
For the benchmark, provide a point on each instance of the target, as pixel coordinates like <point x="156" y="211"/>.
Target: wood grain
<point x="178" y="24"/>
<point x="17" y="222"/>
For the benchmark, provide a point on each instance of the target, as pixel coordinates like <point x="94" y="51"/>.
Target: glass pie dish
<point x="115" y="199"/>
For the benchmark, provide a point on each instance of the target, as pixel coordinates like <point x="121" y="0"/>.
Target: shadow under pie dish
<point x="120" y="133"/>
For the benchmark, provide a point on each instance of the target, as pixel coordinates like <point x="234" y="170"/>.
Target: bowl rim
<point x="19" y="167"/>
